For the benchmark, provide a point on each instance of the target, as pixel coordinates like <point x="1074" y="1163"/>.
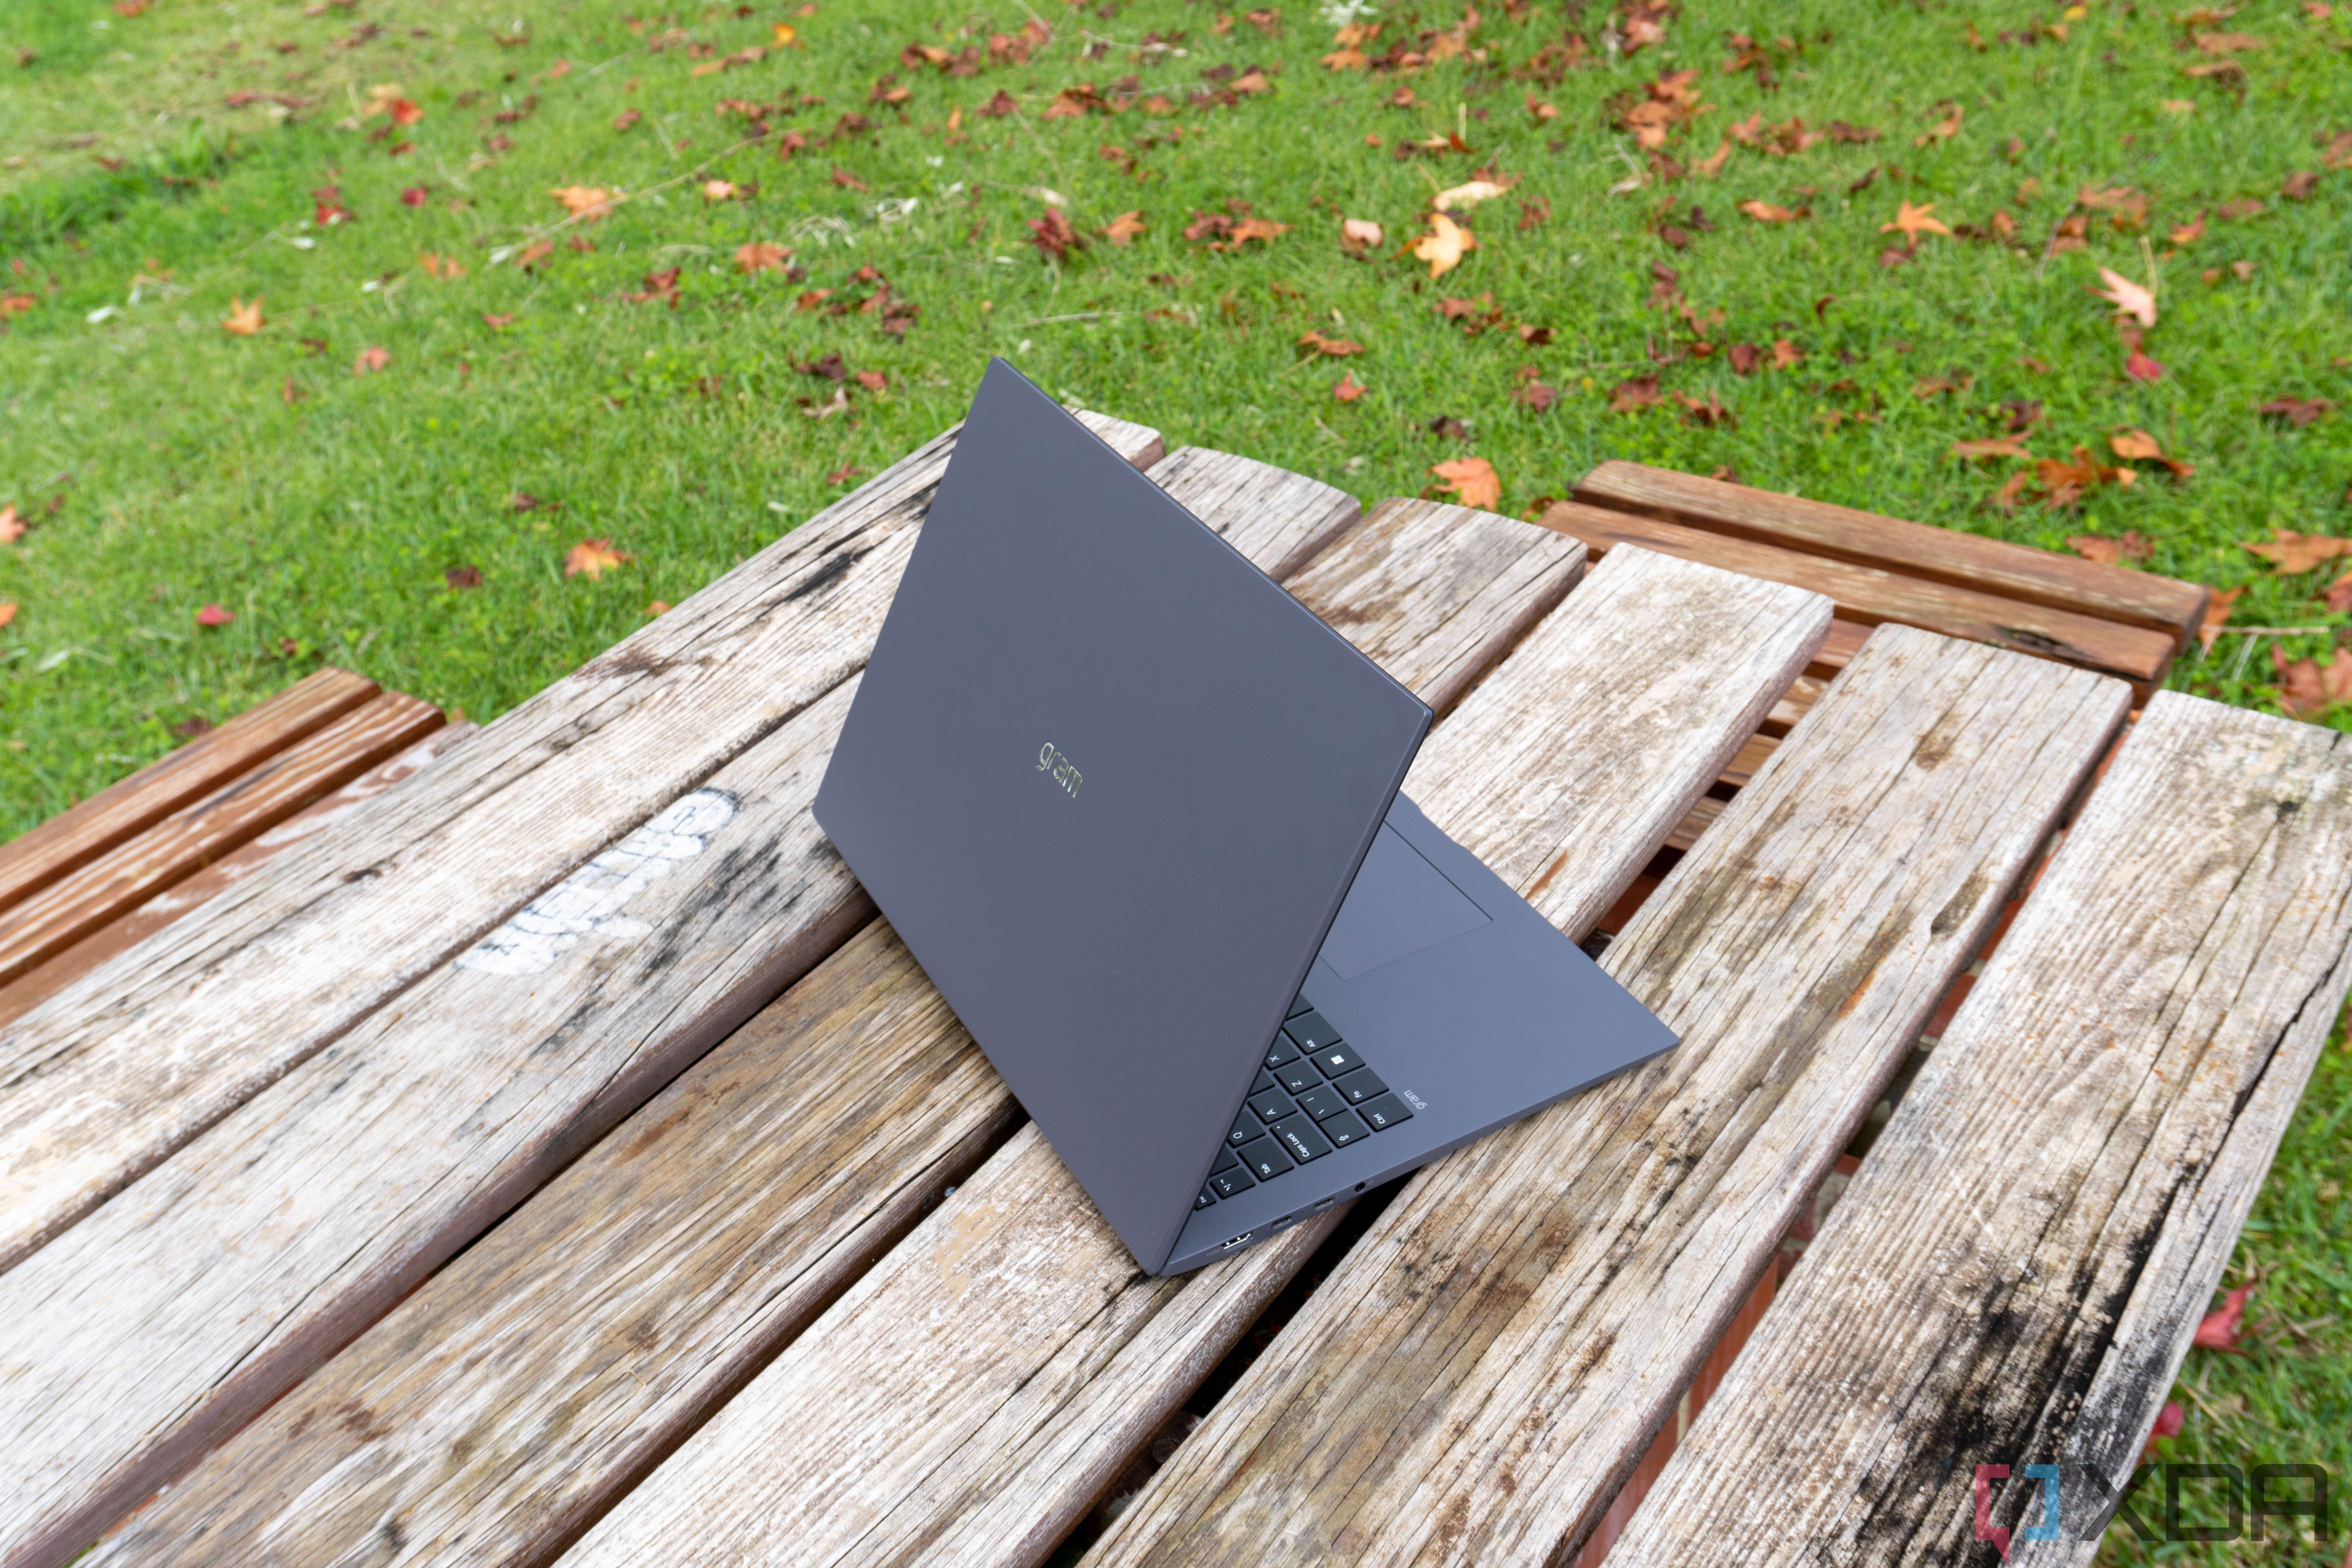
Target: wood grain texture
<point x="1939" y="554"/>
<point x="94" y="894"/>
<point x="1278" y="519"/>
<point x="524" y="1386"/>
<point x="127" y="929"/>
<point x="2014" y="1275"/>
<point x="210" y="1285"/>
<point x="1450" y="613"/>
<point x="110" y="1075"/>
<point x="1475" y="1380"/>
<point x="445" y="1374"/>
<point x="1870" y="595"/>
<point x="972" y="1397"/>
<point x="75" y="837"/>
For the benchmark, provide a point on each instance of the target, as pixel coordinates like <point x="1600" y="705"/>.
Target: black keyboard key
<point x="1337" y="1059"/>
<point x="1359" y="1086"/>
<point x="1244" y="1127"/>
<point x="1226" y="1160"/>
<point x="1298" y="1076"/>
<point x="1342" y="1130"/>
<point x="1265" y="1159"/>
<point x="1298" y="1135"/>
<point x="1311" y="1031"/>
<point x="1281" y="1053"/>
<point x="1298" y="1004"/>
<point x="1384" y="1111"/>
<point x="1322" y="1102"/>
<point x="1228" y="1183"/>
<point x="1271" y="1106"/>
<point x="1204" y="1201"/>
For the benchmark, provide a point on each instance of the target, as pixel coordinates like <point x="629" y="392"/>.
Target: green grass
<point x="183" y="476"/>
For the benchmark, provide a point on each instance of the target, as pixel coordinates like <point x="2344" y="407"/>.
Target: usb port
<point x="1237" y="1240"/>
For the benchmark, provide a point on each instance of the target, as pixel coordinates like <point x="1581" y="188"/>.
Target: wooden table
<point x="555" y="1158"/>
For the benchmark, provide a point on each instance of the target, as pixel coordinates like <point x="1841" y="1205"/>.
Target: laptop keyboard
<point x="1314" y="1095"/>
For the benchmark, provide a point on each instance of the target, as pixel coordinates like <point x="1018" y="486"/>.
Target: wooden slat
<point x="1870" y="595"/>
<point x="110" y="1076"/>
<point x="1280" y="534"/>
<point x="127" y="929"/>
<point x="207" y="1288"/>
<point x="1440" y="589"/>
<point x="1914" y="549"/>
<point x="1487" y="1366"/>
<point x="970" y="1397"/>
<point x="73" y="838"/>
<point x="2014" y="1275"/>
<point x="80" y="903"/>
<point x="817" y="1182"/>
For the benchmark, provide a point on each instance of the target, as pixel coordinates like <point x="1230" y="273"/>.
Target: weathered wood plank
<point x="1425" y="581"/>
<point x="73" y="838"/>
<point x="76" y="905"/>
<point x="1490" y="1362"/>
<point x="1279" y="523"/>
<point x="110" y="1076"/>
<point x="561" y="1305"/>
<point x="44" y="979"/>
<point x="210" y="1286"/>
<point x="2013" y="1277"/>
<point x="970" y="1397"/>
<point x="1914" y="549"/>
<point x="1870" y="595"/>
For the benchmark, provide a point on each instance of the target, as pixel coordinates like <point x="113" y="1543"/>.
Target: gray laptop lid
<point x="1110" y="784"/>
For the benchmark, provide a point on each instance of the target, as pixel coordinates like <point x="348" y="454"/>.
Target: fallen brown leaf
<point x="1914" y="222"/>
<point x="2339" y="598"/>
<point x="2128" y="298"/>
<point x="1347" y="389"/>
<point x="371" y="360"/>
<point x="1122" y="229"/>
<point x="1765" y="212"/>
<point x="1361" y="233"/>
<point x="1640" y="392"/>
<point x="1991" y="446"/>
<point x="1472" y="481"/>
<point x="2308" y="688"/>
<point x="586" y="203"/>
<point x="760" y="256"/>
<point x="1311" y="343"/>
<point x="2217" y="615"/>
<point x="12" y="525"/>
<point x="1445" y="245"/>
<point x="458" y="577"/>
<point x="2290" y="553"/>
<point x="2132" y="546"/>
<point x="244" y="319"/>
<point x="593" y="558"/>
<point x="2297" y="411"/>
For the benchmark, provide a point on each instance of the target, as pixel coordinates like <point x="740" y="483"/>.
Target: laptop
<point x="1135" y="810"/>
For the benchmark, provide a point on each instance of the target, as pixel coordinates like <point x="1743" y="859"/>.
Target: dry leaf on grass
<point x="1347" y="389"/>
<point x="1361" y="233"/>
<point x="1445" y="245"/>
<point x="2132" y="547"/>
<point x="211" y="615"/>
<point x="1640" y="392"/>
<point x="592" y="558"/>
<point x="1122" y="229"/>
<point x="1765" y="212"/>
<point x="2306" y="688"/>
<point x="1311" y="342"/>
<point x="1468" y="195"/>
<point x="1472" y="481"/>
<point x="2217" y="615"/>
<point x="2130" y="299"/>
<point x="244" y="319"/>
<point x="2297" y="411"/>
<point x="2291" y="552"/>
<point x="8" y="613"/>
<point x="1914" y="221"/>
<point x="2141" y="447"/>
<point x="12" y="525"/>
<point x="1991" y="446"/>
<point x="371" y="360"/>
<point x="586" y="203"/>
<point x="760" y="255"/>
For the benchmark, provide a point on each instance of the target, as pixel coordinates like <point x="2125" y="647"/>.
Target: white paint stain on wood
<point x="591" y="899"/>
